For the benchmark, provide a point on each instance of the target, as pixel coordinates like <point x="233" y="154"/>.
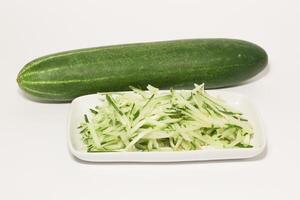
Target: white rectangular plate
<point x="81" y="105"/>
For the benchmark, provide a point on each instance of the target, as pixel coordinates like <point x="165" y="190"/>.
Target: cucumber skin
<point x="61" y="77"/>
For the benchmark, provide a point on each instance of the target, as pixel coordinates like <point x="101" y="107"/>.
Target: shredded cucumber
<point x="172" y="121"/>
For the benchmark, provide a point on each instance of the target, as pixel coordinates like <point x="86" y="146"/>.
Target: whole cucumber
<point x="218" y="63"/>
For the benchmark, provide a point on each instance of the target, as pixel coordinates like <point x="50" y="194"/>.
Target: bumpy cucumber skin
<point x="64" y="76"/>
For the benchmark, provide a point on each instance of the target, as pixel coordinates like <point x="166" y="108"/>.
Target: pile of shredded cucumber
<point x="171" y="121"/>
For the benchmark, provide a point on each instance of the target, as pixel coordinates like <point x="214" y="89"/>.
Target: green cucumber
<point x="64" y="76"/>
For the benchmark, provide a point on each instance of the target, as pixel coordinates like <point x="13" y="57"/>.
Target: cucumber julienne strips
<point x="177" y="121"/>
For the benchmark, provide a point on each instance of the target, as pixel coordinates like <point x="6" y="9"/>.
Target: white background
<point x="34" y="159"/>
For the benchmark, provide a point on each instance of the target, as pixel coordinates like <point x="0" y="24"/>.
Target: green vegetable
<point x="216" y="62"/>
<point x="174" y="121"/>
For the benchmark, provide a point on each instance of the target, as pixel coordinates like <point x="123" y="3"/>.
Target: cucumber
<point x="64" y="76"/>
